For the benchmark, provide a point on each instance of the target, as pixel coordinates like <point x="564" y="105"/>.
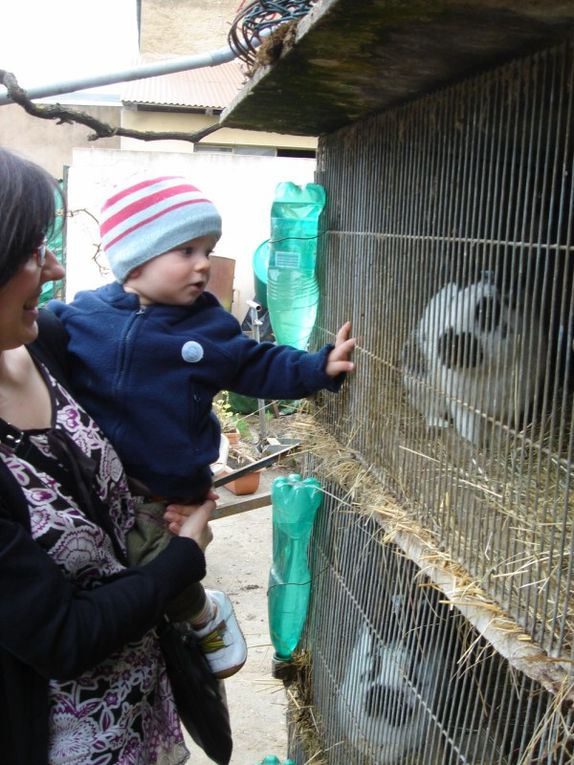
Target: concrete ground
<point x="238" y="562"/>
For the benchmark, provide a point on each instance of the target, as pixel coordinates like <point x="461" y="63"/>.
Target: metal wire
<point x="470" y="191"/>
<point x="248" y="27"/>
<point x="398" y="676"/>
<point x="450" y="226"/>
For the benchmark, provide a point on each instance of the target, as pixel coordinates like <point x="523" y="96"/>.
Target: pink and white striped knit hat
<point x="152" y="216"/>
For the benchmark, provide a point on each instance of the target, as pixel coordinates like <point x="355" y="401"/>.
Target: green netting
<point x="56" y="243"/>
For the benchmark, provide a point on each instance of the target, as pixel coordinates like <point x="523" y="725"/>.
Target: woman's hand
<point x="176" y="515"/>
<point x="192" y="521"/>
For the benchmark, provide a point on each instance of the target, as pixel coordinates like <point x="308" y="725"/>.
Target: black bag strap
<point x="12" y="501"/>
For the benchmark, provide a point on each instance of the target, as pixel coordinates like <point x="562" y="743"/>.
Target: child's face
<point x="177" y="277"/>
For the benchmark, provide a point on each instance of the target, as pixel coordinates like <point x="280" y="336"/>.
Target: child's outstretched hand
<point x="339" y="359"/>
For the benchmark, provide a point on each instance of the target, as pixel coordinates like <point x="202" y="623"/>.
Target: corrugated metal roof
<point x="212" y="87"/>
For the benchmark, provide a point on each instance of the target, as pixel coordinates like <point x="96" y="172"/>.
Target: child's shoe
<point x="221" y="640"/>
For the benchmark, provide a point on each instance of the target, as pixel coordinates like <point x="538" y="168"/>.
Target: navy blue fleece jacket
<point x="148" y="376"/>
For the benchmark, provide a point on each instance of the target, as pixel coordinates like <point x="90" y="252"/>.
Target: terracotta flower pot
<point x="245" y="484"/>
<point x="233" y="436"/>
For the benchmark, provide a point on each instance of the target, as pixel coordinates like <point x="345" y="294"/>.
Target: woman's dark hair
<point x="28" y="196"/>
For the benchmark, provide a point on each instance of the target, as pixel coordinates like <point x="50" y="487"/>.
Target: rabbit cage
<point x="441" y="626"/>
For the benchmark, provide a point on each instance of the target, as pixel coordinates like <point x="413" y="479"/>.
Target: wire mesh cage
<point x="399" y="676"/>
<point x="449" y="243"/>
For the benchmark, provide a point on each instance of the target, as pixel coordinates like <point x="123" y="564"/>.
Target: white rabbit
<point x="421" y="368"/>
<point x="484" y="358"/>
<point x="378" y="705"/>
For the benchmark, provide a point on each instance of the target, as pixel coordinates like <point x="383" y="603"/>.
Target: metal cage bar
<point x="448" y="242"/>
<point x="398" y="676"/>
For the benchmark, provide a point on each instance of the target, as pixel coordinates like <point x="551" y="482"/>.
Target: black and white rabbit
<point x="420" y="365"/>
<point x="474" y="355"/>
<point x="379" y="705"/>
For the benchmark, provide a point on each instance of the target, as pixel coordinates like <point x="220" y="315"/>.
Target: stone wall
<point x="49" y="144"/>
<point x="185" y="27"/>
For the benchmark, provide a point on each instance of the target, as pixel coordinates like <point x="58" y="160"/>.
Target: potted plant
<point x="227" y="417"/>
<point x="235" y="451"/>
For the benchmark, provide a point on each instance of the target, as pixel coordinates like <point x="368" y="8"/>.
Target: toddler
<point x="152" y="349"/>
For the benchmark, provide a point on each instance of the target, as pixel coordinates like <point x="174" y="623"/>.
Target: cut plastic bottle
<point x="295" y="503"/>
<point x="292" y="288"/>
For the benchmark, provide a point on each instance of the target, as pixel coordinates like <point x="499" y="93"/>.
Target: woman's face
<point x="19" y="300"/>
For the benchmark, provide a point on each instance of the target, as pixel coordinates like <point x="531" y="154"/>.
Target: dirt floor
<point x="238" y="562"/>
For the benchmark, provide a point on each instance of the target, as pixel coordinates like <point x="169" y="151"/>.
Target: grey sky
<point x="62" y="40"/>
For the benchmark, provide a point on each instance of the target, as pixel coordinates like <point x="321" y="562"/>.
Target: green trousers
<point x="148" y="537"/>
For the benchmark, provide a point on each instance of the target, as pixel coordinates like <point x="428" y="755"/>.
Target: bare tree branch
<point x="101" y="129"/>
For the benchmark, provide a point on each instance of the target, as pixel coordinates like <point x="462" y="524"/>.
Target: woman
<point x="82" y="679"/>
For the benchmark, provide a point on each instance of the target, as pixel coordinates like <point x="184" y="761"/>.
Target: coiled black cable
<point x="256" y="17"/>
